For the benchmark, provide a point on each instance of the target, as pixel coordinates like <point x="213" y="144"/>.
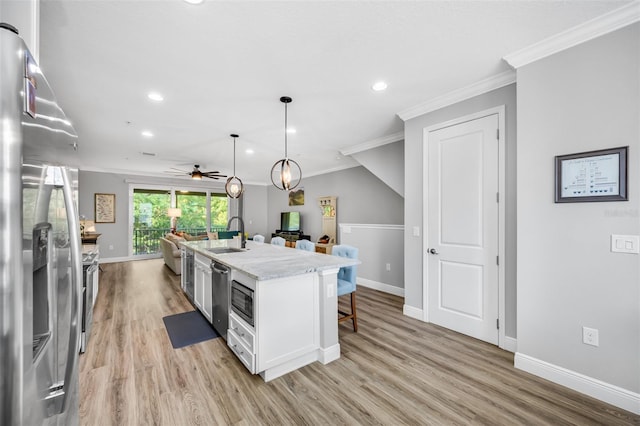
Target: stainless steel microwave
<point x="242" y="301"/>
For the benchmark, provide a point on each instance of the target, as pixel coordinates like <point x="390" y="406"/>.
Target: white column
<point x="329" y="346"/>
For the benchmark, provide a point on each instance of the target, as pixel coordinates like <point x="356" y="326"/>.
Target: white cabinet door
<point x="198" y="296"/>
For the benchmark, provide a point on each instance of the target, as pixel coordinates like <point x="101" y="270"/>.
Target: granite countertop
<point x="265" y="261"/>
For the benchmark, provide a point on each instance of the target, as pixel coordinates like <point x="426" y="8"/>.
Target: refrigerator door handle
<point x="58" y="393"/>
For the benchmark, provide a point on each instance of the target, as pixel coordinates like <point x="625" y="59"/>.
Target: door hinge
<point x="498" y="323"/>
<point x="497" y="197"/>
<point x="498" y="134"/>
<point x="498" y="260"/>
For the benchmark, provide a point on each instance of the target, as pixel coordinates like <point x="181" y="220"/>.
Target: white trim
<point x="326" y="355"/>
<point x="502" y="167"/>
<point x="492" y="83"/>
<point x="374" y="143"/>
<point x="412" y="312"/>
<point x="597" y="27"/>
<point x="116" y="259"/>
<point x="383" y="287"/>
<point x="372" y="226"/>
<point x="510" y="344"/>
<point x="612" y="394"/>
<point x="332" y="170"/>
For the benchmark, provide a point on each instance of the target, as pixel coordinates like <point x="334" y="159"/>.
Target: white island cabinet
<point x="295" y="307"/>
<point x="286" y="334"/>
<point x="202" y="278"/>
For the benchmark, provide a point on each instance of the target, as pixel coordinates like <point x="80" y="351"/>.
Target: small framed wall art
<point x="105" y="205"/>
<point x="592" y="176"/>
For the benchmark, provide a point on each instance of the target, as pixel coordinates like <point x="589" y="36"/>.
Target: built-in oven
<point x="242" y="301"/>
<point x="90" y="273"/>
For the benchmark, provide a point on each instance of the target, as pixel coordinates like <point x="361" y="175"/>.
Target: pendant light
<point x="286" y="173"/>
<point x="234" y="186"/>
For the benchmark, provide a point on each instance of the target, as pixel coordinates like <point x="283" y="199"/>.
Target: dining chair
<point x="347" y="282"/>
<point x="305" y="245"/>
<point x="258" y="238"/>
<point x="278" y="241"/>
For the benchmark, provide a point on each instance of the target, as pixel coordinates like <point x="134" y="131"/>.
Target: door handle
<point x="433" y="251"/>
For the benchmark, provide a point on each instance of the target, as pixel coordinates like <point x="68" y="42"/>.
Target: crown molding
<point x="374" y="143"/>
<point x="609" y="22"/>
<point x="483" y="86"/>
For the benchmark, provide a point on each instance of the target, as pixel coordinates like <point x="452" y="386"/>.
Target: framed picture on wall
<point x="592" y="176"/>
<point x="105" y="208"/>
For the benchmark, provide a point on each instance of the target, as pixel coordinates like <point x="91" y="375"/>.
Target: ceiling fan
<point x="198" y="174"/>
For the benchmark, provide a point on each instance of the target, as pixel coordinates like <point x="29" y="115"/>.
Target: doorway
<point x="464" y="225"/>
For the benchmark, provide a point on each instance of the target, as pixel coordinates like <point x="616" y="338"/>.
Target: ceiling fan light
<point x="196" y="175"/>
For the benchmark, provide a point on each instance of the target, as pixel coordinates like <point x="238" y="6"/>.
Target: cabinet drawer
<point x="242" y="332"/>
<point x="242" y="352"/>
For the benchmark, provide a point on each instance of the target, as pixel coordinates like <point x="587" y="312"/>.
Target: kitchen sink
<point x="222" y="250"/>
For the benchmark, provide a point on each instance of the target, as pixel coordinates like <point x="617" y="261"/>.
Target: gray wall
<point x="387" y="163"/>
<point x="581" y="99"/>
<point x="413" y="148"/>
<point x="115" y="236"/>
<point x="362" y="198"/>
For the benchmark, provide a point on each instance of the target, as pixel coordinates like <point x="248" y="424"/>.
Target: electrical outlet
<point x="416" y="231"/>
<point x="590" y="336"/>
<point x="110" y="246"/>
<point x="388" y="267"/>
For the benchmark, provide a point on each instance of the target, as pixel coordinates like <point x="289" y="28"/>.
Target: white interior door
<point x="462" y="228"/>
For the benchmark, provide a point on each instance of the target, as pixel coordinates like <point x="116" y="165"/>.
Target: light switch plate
<point x="625" y="244"/>
<point x="416" y="231"/>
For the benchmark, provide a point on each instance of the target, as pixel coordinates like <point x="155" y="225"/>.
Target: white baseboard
<point x="326" y="355"/>
<point x="598" y="389"/>
<point x="509" y="344"/>
<point x="115" y="259"/>
<point x="385" y="288"/>
<point x="412" y="312"/>
<point x="128" y="258"/>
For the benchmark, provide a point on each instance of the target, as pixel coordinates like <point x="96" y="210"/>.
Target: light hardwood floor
<point x="394" y="371"/>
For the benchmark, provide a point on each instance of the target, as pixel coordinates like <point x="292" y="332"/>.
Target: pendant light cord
<point x="285" y="131"/>
<point x="234" y="157"/>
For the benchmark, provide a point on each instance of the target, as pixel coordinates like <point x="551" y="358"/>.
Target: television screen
<point x="290" y="221"/>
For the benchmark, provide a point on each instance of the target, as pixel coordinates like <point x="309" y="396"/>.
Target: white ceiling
<point x="223" y="65"/>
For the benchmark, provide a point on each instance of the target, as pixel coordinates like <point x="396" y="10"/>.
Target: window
<point x="219" y="212"/>
<point x="194" y="212"/>
<point x="200" y="211"/>
<point x="150" y="220"/>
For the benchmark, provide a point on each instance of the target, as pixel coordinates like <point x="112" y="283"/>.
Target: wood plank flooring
<point x="394" y="371"/>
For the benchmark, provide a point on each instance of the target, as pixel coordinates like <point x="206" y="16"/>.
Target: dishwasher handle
<point x="216" y="268"/>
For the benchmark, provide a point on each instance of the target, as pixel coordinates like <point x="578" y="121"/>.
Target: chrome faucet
<point x="242" y="238"/>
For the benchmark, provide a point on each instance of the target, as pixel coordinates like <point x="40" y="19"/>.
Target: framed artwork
<point x="105" y="205"/>
<point x="592" y="176"/>
<point x="296" y="197"/>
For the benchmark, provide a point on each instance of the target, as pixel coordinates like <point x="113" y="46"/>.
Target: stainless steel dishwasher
<point x="220" y="283"/>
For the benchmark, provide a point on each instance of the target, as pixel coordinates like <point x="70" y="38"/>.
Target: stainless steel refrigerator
<point x="40" y="248"/>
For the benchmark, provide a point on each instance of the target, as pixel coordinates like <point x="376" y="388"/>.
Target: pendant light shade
<point x="234" y="186"/>
<point x="286" y="173"/>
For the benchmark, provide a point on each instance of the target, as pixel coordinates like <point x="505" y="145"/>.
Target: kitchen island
<point x="284" y="309"/>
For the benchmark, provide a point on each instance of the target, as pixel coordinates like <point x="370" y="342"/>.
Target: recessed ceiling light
<point x="155" y="96"/>
<point x="194" y="1"/>
<point x="379" y="86"/>
<point x="147" y="134"/>
<point x="249" y="151"/>
<point x="291" y="130"/>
